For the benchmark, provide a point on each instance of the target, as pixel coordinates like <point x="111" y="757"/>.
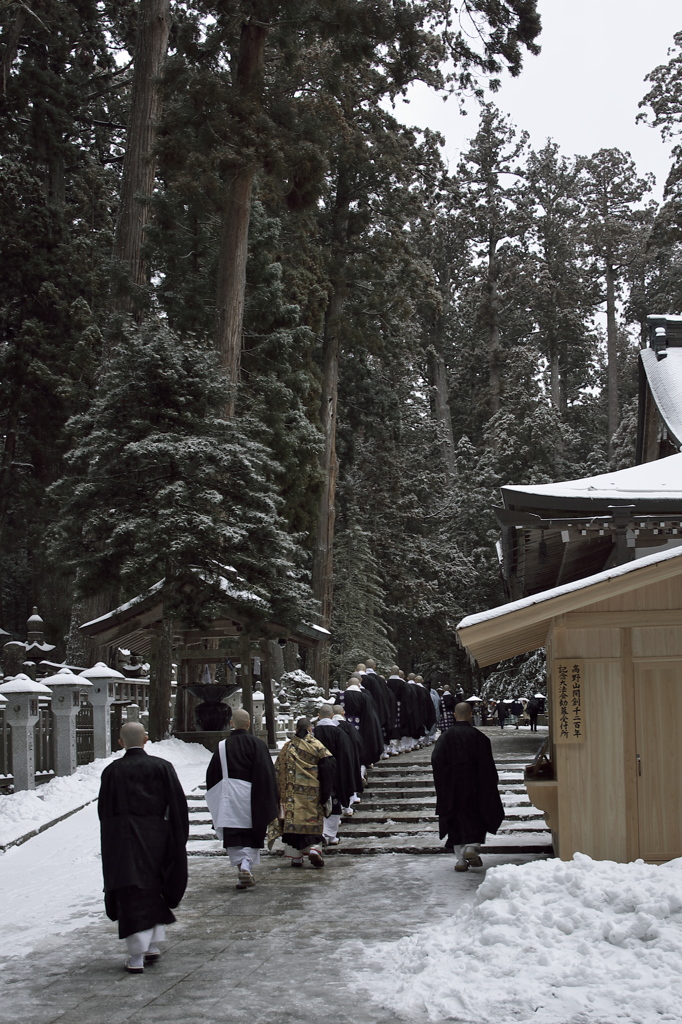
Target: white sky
<point x="583" y="89"/>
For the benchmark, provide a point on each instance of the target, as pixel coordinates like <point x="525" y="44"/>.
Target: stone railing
<point x="44" y="734"/>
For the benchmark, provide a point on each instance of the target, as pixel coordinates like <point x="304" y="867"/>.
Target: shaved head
<point x="133" y="735"/>
<point x="371" y="663"/>
<point x="241" y="719"/>
<point x="463" y="712"/>
<point x="360" y="667"/>
<point x="326" y="711"/>
<point x="395" y="671"/>
<point x="338" y="710"/>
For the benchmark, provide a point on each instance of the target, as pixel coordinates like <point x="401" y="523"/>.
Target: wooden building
<point x="614" y="657"/>
<point x="238" y="632"/>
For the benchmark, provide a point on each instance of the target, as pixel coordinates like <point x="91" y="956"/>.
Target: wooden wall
<point x="620" y="790"/>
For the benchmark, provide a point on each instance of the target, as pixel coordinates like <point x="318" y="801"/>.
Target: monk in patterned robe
<point x="305" y="772"/>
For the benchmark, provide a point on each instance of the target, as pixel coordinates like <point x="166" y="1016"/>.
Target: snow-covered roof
<point x="665" y="381"/>
<point x="658" y="483"/>
<point x="125" y="607"/>
<point x="508" y="629"/>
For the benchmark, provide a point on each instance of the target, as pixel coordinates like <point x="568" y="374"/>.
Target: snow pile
<point x="25" y="811"/>
<point x="551" y="942"/>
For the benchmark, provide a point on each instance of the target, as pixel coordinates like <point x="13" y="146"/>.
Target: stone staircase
<point x="397" y="813"/>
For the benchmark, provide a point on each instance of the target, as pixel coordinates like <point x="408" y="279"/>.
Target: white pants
<point x="459" y="850"/>
<point x="139" y="942"/>
<point x="289" y="851"/>
<point x="239" y="854"/>
<point x="331" y="826"/>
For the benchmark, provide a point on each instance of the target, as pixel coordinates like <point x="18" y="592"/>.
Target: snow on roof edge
<point x="646" y="481"/>
<point x="568" y="588"/>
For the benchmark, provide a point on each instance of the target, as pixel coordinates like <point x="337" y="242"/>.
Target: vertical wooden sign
<point x="569" y="713"/>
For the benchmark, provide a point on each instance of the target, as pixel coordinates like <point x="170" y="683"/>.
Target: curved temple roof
<point x="654" y="484"/>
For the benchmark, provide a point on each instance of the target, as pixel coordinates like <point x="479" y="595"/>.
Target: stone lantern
<point x="66" y="689"/>
<point x="258" y="705"/>
<point x="101" y="696"/>
<point x="22" y="712"/>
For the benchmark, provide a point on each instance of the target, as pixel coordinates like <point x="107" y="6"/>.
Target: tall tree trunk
<point x="611" y="353"/>
<point x="440" y="399"/>
<point x="441" y="409"/>
<point x="323" y="559"/>
<point x="494" y="335"/>
<point x="11" y="41"/>
<point x="554" y="378"/>
<point x="234" y="243"/>
<point x="139" y="164"/>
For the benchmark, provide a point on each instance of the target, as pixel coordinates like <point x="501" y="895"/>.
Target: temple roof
<point x="651" y="487"/>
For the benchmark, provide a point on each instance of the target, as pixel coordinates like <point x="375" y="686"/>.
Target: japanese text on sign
<point x="568" y="698"/>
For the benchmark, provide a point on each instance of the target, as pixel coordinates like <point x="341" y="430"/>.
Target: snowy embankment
<point x="52" y="884"/>
<point x="21" y="813"/>
<point x="570" y="942"/>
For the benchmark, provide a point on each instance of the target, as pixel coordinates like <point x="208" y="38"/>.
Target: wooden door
<point x="658" y="709"/>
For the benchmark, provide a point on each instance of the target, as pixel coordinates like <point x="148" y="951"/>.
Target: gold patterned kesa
<point x="299" y="788"/>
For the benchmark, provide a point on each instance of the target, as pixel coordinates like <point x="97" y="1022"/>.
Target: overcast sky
<point x="584" y="87"/>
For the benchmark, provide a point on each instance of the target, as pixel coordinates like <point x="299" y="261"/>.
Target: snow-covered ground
<point x="553" y="942"/>
<point x="53" y="883"/>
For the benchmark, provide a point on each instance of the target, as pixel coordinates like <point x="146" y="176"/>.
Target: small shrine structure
<point x="205" y="657"/>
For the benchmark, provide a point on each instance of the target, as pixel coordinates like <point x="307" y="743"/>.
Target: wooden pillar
<point x="266" y="681"/>
<point x="247" y="680"/>
<point x="290" y="656"/>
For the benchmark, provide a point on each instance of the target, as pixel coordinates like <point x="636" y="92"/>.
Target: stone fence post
<point x="66" y="689"/>
<point x="101" y="696"/>
<point x="22" y="712"/>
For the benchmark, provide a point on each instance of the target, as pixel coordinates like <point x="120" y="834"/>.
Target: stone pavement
<point x="287" y="951"/>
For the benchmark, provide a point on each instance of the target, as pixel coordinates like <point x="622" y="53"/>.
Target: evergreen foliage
<point x="159" y="483"/>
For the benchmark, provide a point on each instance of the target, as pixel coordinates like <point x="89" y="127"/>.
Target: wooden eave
<point x="135" y="627"/>
<point x="513" y="630"/>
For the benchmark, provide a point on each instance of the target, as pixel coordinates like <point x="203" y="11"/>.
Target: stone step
<point x="537" y="845"/>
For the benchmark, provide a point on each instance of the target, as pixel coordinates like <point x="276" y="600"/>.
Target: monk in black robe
<point x="243" y="798"/>
<point x="405" y="728"/>
<point x="383" y="698"/>
<point x="468" y="802"/>
<point x="356" y="743"/>
<point x="361" y="712"/>
<point x="327" y="731"/>
<point x="144" y="827"/>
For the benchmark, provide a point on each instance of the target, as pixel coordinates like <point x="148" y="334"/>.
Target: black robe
<point x="359" y="705"/>
<point x="405" y="723"/>
<point x="248" y="758"/>
<point x="356" y="744"/>
<point x="384" y="700"/>
<point x="339" y="744"/>
<point x="468" y="802"/>
<point x="425" y="711"/>
<point x="144" y="827"/>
